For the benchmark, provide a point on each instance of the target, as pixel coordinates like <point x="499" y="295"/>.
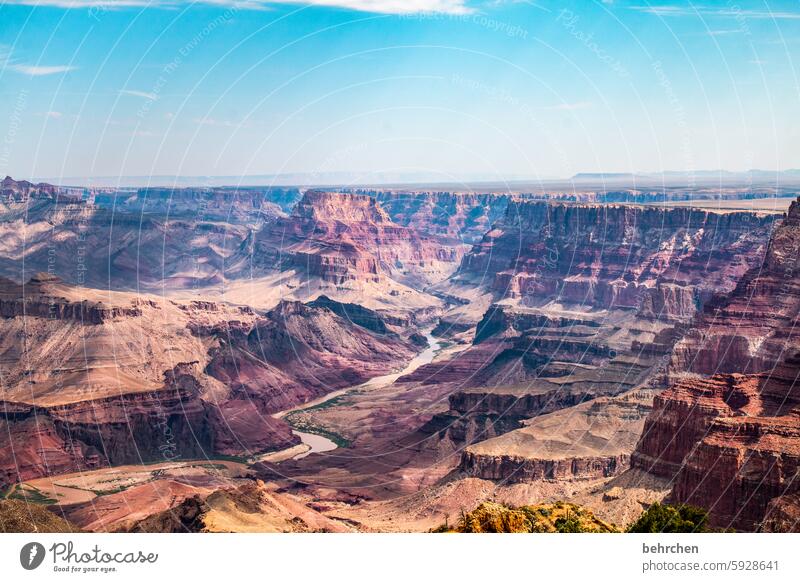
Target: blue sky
<point x="458" y="88"/>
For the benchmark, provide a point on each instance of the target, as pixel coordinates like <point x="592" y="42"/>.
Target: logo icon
<point x="31" y="555"/>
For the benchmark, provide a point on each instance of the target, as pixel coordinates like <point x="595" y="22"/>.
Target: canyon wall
<point x="350" y="237"/>
<point x="142" y="379"/>
<point x="664" y="262"/>
<point x="727" y="429"/>
<point x="225" y="204"/>
<point x="590" y="300"/>
<point x="459" y="217"/>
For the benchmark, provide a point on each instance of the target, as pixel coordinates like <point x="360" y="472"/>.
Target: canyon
<point x="610" y="348"/>
<point x="725" y="430"/>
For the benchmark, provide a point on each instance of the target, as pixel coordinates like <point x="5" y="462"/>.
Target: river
<point x="320" y="444"/>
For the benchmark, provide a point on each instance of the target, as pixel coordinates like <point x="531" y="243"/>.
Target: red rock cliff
<point x="731" y="439"/>
<point x="664" y="262"/>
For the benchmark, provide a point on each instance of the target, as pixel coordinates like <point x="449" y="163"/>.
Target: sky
<point x="496" y="89"/>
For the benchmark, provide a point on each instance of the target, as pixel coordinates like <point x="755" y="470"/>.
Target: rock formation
<point x="459" y="217"/>
<point x="253" y="506"/>
<point x="95" y="378"/>
<point x="728" y="429"/>
<point x="350" y="237"/>
<point x="664" y="262"/>
<point x="592" y="440"/>
<point x="101" y="247"/>
<point x="589" y="300"/>
<point x="237" y="205"/>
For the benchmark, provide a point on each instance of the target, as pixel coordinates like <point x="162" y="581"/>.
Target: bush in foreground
<point x="664" y="518"/>
<point x="558" y="517"/>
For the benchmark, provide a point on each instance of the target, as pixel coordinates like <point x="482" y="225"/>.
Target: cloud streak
<point x="142" y="94"/>
<point x="39" y="70"/>
<point x="695" y="10"/>
<point x="374" y="6"/>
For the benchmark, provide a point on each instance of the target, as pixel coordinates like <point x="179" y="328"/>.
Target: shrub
<point x="665" y="518"/>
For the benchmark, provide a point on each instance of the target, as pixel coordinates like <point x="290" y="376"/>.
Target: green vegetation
<point x="665" y="518"/>
<point x="210" y="466"/>
<point x="557" y="517"/>
<point x="30" y="494"/>
<point x="102" y="492"/>
<point x="232" y="458"/>
<point x="335" y="401"/>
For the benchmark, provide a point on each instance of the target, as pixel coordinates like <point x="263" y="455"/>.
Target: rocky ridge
<point x="727" y="429"/>
<point x="589" y="300"/>
<point x="80" y="393"/>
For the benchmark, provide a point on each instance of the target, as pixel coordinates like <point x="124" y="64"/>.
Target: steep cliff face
<point x="229" y="204"/>
<point x="731" y="443"/>
<point x="731" y="439"/>
<point x="740" y="467"/>
<point x="42" y="296"/>
<point x="350" y="237"/>
<point x="459" y="217"/>
<point x="682" y="416"/>
<point x="91" y="245"/>
<point x="750" y="329"/>
<point x="12" y="190"/>
<point x="665" y="262"/>
<point x="326" y="207"/>
<point x="590" y="300"/>
<point x="782" y="515"/>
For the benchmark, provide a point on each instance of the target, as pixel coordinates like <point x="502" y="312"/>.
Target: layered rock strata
<point x="728" y="430"/>
<point x="663" y="262"/>
<point x="132" y="379"/>
<point x="350" y="237"/>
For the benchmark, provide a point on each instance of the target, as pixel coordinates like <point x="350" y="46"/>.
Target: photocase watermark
<point x="67" y="559"/>
<point x="14" y="123"/>
<point x="31" y="555"/>
<point x="169" y="446"/>
<point x="740" y="18"/>
<point x="569" y="20"/>
<point x="499" y="26"/>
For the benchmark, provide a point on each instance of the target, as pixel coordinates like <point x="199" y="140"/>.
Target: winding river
<point x="320" y="444"/>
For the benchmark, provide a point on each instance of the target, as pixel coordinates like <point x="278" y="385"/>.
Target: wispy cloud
<point x="40" y="70"/>
<point x="14" y="64"/>
<point x="392" y="6"/>
<point x="732" y="12"/>
<point x="53" y="114"/>
<point x="375" y="6"/>
<point x="724" y="32"/>
<point x="142" y="94"/>
<point x="86" y="3"/>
